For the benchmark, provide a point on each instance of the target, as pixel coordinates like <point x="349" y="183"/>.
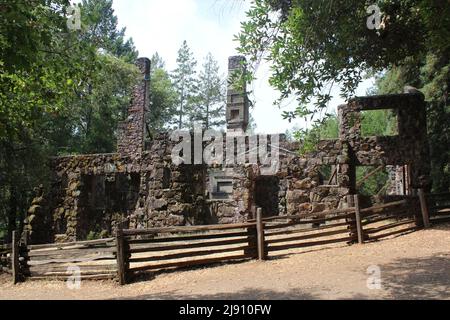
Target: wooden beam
<point x="306" y="237"/>
<point x="260" y="234"/>
<point x="106" y="242"/>
<point x="120" y="243"/>
<point x="424" y="209"/>
<point x="189" y="254"/>
<point x="136" y="232"/>
<point x="15" y="257"/>
<point x="367" y="176"/>
<point x="203" y="244"/>
<point x="189" y="263"/>
<point x="308" y="244"/>
<point x="332" y="176"/>
<point x="308" y="215"/>
<point x="359" y="228"/>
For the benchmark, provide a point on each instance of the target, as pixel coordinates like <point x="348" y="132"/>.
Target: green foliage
<point x="163" y="97"/>
<point x="102" y="104"/>
<point x="432" y="76"/>
<point x="210" y="100"/>
<point x="61" y="91"/>
<point x="200" y="96"/>
<point x="378" y="123"/>
<point x="326" y="129"/>
<point x="373" y="185"/>
<point x="93" y="235"/>
<point x="185" y="83"/>
<point x="315" y="44"/>
<point x="101" y="29"/>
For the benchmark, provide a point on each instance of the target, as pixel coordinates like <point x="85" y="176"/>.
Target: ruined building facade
<point x="140" y="186"/>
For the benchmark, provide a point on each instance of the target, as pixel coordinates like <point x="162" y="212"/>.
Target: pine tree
<point x="185" y="83"/>
<point x="163" y="97"/>
<point x="102" y="30"/>
<point x="210" y="100"/>
<point x="157" y="62"/>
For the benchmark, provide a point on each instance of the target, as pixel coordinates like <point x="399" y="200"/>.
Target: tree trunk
<point x="12" y="213"/>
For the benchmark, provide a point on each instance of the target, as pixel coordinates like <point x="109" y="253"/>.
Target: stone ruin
<point x="140" y="186"/>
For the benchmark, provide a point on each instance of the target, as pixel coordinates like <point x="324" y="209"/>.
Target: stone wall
<point x="142" y="188"/>
<point x="306" y="190"/>
<point x="70" y="210"/>
<point x="237" y="110"/>
<point x="132" y="130"/>
<point x="174" y="194"/>
<point x="409" y="147"/>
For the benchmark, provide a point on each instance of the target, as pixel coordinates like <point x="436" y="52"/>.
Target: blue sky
<point x="207" y="26"/>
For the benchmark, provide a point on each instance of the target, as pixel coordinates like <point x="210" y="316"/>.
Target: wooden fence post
<point x="23" y="253"/>
<point x="121" y="256"/>
<point x="15" y="258"/>
<point x="252" y="238"/>
<point x="350" y="203"/>
<point x="260" y="235"/>
<point x="359" y="228"/>
<point x="424" y="209"/>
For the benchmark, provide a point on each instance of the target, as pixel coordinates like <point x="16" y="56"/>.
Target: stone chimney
<point x="131" y="135"/>
<point x="237" y="101"/>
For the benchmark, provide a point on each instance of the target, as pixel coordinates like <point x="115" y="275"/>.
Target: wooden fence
<point x="292" y="232"/>
<point x="390" y="219"/>
<point x="438" y="205"/>
<point x="175" y="247"/>
<point x="94" y="259"/>
<point x="134" y="251"/>
<point x="5" y="258"/>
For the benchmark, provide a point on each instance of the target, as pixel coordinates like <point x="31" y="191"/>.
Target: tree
<point x="163" y="97"/>
<point x="157" y="62"/>
<point x="61" y="91"/>
<point x="36" y="83"/>
<point x="185" y="83"/>
<point x="101" y="29"/>
<point x="315" y="44"/>
<point x="210" y="99"/>
<point x="432" y="77"/>
<point x="103" y="105"/>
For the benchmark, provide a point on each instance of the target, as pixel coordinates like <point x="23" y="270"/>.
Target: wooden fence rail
<point x="132" y="251"/>
<point x="177" y="247"/>
<point x="439" y="206"/>
<point x="95" y="259"/>
<point x="5" y="258"/>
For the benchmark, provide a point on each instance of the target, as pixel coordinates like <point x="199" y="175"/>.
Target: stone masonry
<point x="141" y="187"/>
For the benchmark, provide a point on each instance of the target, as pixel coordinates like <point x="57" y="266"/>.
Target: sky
<point x="207" y="26"/>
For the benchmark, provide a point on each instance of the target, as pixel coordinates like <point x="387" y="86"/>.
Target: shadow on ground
<point x="418" y="278"/>
<point x="406" y="278"/>
<point x="245" y="294"/>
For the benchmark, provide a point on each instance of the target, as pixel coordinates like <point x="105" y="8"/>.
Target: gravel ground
<point x="412" y="266"/>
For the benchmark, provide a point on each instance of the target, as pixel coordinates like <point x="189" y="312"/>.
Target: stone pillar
<point x="132" y="131"/>
<point x="237" y="100"/>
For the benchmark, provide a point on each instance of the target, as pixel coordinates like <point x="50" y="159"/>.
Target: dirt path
<point x="413" y="266"/>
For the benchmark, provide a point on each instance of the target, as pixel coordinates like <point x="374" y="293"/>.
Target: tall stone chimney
<point x="131" y="135"/>
<point x="237" y="100"/>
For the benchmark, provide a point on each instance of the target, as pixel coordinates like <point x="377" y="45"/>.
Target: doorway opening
<point x="105" y="201"/>
<point x="266" y="195"/>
